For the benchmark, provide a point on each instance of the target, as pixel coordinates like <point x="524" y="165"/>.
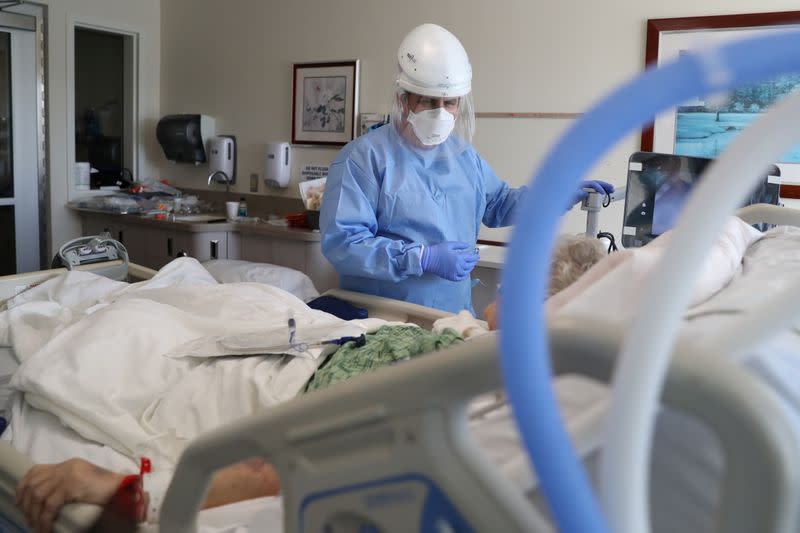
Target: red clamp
<point x="128" y="502"/>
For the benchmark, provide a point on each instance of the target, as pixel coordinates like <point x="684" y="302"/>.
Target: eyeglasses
<point x="418" y="102"/>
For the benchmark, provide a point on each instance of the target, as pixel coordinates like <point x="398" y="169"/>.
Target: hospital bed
<point x="398" y="435"/>
<point x="75" y="517"/>
<point x="400" y="426"/>
<point x="412" y="435"/>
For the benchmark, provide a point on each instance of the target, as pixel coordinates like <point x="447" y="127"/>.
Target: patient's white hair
<point x="573" y="255"/>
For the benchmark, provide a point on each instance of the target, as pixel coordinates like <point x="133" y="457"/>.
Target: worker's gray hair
<point x="573" y="255"/>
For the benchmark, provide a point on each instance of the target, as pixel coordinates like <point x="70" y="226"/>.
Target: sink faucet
<point x="220" y="177"/>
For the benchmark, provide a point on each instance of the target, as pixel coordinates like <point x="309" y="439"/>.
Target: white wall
<point x="234" y="62"/>
<point x="139" y="16"/>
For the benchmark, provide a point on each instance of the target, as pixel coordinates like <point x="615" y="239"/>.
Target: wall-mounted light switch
<point x="254" y="182"/>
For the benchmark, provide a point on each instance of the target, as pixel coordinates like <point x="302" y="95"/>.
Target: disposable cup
<point x="232" y="209"/>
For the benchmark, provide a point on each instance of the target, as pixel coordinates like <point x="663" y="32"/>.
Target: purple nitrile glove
<point x="599" y="186"/>
<point x="450" y="260"/>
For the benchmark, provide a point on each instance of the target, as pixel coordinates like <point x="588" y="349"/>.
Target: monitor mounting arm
<point x="594" y="203"/>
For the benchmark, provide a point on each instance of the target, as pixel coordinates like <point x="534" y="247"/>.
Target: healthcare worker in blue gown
<point x="404" y="203"/>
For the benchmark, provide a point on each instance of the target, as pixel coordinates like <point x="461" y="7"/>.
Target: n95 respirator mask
<point x="432" y="126"/>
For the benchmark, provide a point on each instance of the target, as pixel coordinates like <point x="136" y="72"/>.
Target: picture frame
<point x="325" y="102"/>
<point x="678" y="131"/>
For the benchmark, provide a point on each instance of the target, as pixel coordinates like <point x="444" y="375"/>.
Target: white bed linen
<point x="235" y="271"/>
<point x="46" y="440"/>
<point x="612" y="286"/>
<point x="691" y="473"/>
<point x="8" y="365"/>
<point x="687" y="461"/>
<point x="102" y="372"/>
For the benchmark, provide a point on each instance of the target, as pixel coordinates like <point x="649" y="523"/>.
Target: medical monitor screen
<point x="658" y="187"/>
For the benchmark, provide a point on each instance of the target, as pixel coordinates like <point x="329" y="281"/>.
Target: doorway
<point x="19" y="141"/>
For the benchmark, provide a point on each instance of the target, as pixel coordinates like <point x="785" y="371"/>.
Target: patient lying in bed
<point x="156" y="370"/>
<point x="572" y="257"/>
<point x="47" y="486"/>
<point x="586" y="281"/>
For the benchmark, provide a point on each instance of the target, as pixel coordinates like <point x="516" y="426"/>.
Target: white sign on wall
<point x="314" y="172"/>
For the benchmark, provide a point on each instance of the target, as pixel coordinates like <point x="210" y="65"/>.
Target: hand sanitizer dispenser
<point x="222" y="159"/>
<point x="277" y="164"/>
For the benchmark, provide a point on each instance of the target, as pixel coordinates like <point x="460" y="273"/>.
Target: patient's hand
<point x="243" y="481"/>
<point x="47" y="488"/>
<point x="490" y="314"/>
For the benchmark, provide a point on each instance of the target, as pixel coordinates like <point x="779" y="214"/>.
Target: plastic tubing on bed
<point x="524" y="351"/>
<point x="640" y="373"/>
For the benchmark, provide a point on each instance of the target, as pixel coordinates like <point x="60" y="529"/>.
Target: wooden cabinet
<point x="154" y="247"/>
<point x="154" y="244"/>
<point x="95" y="224"/>
<point x="139" y="241"/>
<point x="303" y="255"/>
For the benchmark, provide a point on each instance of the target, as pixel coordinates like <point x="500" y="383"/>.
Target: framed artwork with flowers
<point x="324" y="102"/>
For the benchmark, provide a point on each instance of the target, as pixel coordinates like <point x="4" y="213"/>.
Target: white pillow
<point x="291" y="280"/>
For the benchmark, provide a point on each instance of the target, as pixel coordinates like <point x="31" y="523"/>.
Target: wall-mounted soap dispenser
<point x="222" y="159"/>
<point x="277" y="164"/>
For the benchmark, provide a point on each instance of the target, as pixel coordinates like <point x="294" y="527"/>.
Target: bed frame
<point x="405" y="427"/>
<point x="13" y="464"/>
<point x="16" y="283"/>
<point x="404" y="420"/>
<point x="401" y="426"/>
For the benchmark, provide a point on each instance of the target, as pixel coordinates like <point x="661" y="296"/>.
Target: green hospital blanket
<point x="386" y="346"/>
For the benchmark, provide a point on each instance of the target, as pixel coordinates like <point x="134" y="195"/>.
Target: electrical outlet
<point x="254" y="182"/>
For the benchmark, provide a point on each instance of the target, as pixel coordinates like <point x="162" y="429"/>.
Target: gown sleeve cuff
<point x="413" y="260"/>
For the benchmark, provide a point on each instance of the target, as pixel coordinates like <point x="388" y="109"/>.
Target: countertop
<point x="245" y="228"/>
<point x="491" y="256"/>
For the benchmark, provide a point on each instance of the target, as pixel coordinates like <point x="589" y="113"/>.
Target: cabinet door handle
<point x="121" y="237"/>
<point x="169" y="246"/>
<point x="214" y="248"/>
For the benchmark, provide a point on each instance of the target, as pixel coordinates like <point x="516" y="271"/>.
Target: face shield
<point x="430" y="121"/>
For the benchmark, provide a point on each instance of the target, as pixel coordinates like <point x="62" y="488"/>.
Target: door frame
<point x="26" y="24"/>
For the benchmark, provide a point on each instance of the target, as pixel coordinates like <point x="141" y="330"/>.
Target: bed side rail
<point x="396" y="424"/>
<point x="411" y="417"/>
<point x="139" y="272"/>
<point x="770" y="214"/>
<point x="389" y="309"/>
<point x="761" y="485"/>
<point x="13" y="284"/>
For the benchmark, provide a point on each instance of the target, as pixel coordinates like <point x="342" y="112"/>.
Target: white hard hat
<point x="433" y="63"/>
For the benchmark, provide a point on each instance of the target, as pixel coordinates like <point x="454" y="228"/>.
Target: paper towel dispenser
<point x="183" y="137"/>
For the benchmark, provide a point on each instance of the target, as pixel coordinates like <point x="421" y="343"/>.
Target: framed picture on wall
<point x="324" y="102"/>
<point x="703" y="127"/>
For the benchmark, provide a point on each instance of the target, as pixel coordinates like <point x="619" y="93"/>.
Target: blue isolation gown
<point x="384" y="199"/>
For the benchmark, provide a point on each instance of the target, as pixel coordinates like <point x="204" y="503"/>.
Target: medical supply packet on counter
<point x="150" y="198"/>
